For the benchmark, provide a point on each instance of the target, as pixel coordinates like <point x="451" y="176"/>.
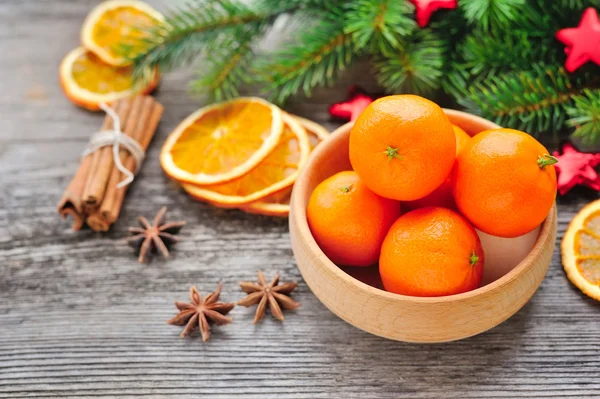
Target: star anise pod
<point x="200" y="311"/>
<point x="272" y="295"/>
<point x="156" y="236"/>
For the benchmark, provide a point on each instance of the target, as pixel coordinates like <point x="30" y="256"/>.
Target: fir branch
<point x="323" y="50"/>
<point x="489" y="14"/>
<point x="378" y="24"/>
<point x="190" y="29"/>
<point x="585" y="116"/>
<point x="226" y="70"/>
<point x="533" y="100"/>
<point x="416" y="67"/>
<point x="487" y="54"/>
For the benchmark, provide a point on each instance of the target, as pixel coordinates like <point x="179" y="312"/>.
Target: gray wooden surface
<point x="80" y="317"/>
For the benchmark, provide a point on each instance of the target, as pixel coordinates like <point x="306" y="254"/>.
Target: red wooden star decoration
<point x="350" y="109"/>
<point x="583" y="42"/>
<point x="425" y="8"/>
<point x="576" y="168"/>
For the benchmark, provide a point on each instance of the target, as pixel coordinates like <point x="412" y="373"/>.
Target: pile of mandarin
<point x="419" y="190"/>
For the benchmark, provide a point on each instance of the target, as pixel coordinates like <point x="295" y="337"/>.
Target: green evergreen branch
<point x="378" y="24"/>
<point x="489" y="14"/>
<point x="322" y="52"/>
<point x="585" y="116"/>
<point x="222" y="74"/>
<point x="416" y="67"/>
<point x="189" y="30"/>
<point x="534" y="100"/>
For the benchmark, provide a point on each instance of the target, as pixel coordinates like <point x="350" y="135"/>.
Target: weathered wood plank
<point x="79" y="317"/>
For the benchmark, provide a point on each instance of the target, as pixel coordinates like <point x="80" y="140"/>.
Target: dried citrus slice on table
<point x="580" y="249"/>
<point x="222" y="141"/>
<point x="313" y="129"/>
<point x="276" y="172"/>
<point x="278" y="204"/>
<point x="115" y="30"/>
<point x="87" y="81"/>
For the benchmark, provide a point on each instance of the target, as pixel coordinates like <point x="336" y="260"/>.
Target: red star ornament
<point x="576" y="168"/>
<point x="350" y="109"/>
<point x="583" y="42"/>
<point x="425" y="8"/>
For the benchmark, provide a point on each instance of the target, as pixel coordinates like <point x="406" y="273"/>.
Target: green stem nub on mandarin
<point x="392" y="153"/>
<point x="346" y="189"/>
<point x="473" y="259"/>
<point x="545" y="160"/>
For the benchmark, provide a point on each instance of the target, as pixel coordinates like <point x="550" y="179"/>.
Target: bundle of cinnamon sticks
<point x="93" y="196"/>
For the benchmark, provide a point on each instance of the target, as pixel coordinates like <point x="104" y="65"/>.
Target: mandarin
<point x="431" y="252"/>
<point x="349" y="221"/>
<point x="402" y="147"/>
<point x="442" y="196"/>
<point x="504" y="182"/>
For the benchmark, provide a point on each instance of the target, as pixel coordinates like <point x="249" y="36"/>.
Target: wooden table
<point x="80" y="317"/>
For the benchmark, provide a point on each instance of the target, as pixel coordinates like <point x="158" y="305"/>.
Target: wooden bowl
<point x="401" y="317"/>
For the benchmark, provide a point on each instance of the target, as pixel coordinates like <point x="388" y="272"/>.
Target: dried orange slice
<point x="222" y="141"/>
<point x="87" y="81"/>
<point x="278" y="204"/>
<point x="313" y="129"/>
<point x="116" y="25"/>
<point x="276" y="172"/>
<point x="580" y="249"/>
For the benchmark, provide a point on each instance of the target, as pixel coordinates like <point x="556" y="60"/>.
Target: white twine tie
<point x="117" y="138"/>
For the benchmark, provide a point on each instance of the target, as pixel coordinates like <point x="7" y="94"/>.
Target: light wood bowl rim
<point x="300" y="197"/>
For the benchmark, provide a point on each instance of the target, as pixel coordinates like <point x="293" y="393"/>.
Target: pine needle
<point x="416" y="67"/>
<point x="378" y="25"/>
<point x="585" y="116"/>
<point x="534" y="100"/>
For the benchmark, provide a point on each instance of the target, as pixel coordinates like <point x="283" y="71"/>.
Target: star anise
<point x="272" y="295"/>
<point x="200" y="312"/>
<point x="156" y="236"/>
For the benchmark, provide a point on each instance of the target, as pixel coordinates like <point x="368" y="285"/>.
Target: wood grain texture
<point x="406" y="318"/>
<point x="79" y="317"/>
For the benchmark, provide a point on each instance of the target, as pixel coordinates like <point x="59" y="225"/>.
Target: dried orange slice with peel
<point x="222" y="141"/>
<point x="116" y="25"/>
<point x="313" y="129"/>
<point x="87" y="81"/>
<point x="275" y="173"/>
<point x="278" y="204"/>
<point x="580" y="249"/>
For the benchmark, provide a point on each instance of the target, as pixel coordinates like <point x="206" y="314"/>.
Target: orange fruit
<point x="275" y="173"/>
<point x="580" y="249"/>
<point x="349" y="221"/>
<point x="87" y="81"/>
<point x="222" y="141"/>
<point x="278" y="204"/>
<point x="504" y="182"/>
<point x="118" y="26"/>
<point x="402" y="147"/>
<point x="442" y="196"/>
<point x="431" y="252"/>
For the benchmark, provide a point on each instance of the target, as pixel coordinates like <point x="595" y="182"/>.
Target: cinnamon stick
<point x="155" y="116"/>
<point x="130" y="128"/>
<point x="111" y="208"/>
<point x="142" y="123"/>
<point x="102" y="162"/>
<point x="70" y="203"/>
<point x="92" y="195"/>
